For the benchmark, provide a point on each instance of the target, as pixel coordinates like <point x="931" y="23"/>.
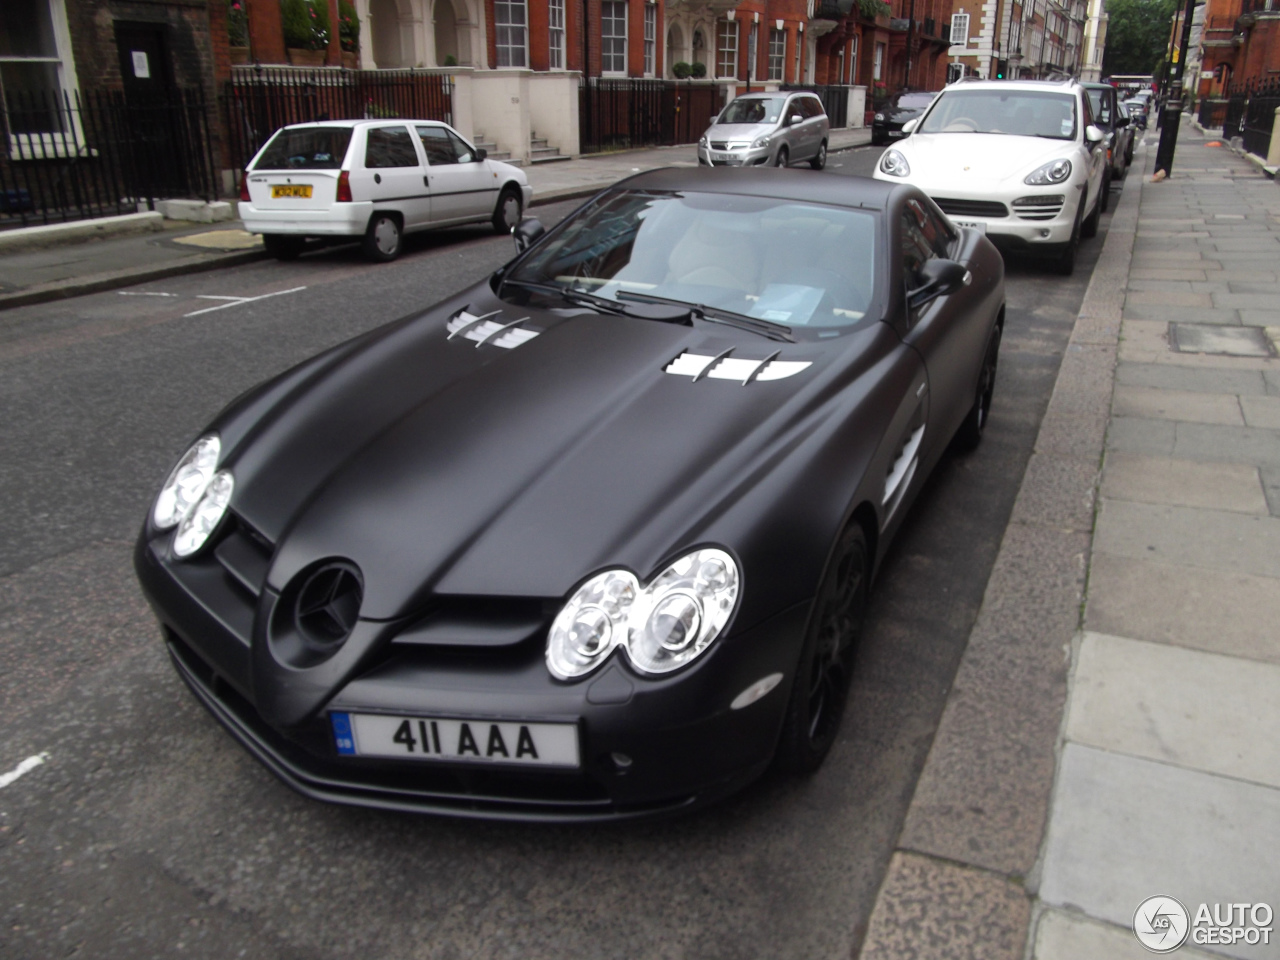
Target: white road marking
<point x="211" y="296"/>
<point x="130" y="293"/>
<point x="237" y="301"/>
<point x="26" y="766"/>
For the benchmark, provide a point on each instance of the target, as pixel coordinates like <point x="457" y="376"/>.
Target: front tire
<point x="821" y="684"/>
<point x="782" y="159"/>
<point x="975" y="422"/>
<point x="282" y="247"/>
<point x="382" y="241"/>
<point x="507" y="213"/>
<point x="1089" y="227"/>
<point x="1066" y="263"/>
<point x="820" y="160"/>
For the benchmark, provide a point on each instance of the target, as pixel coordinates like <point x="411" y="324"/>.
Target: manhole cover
<point x="1225" y="341"/>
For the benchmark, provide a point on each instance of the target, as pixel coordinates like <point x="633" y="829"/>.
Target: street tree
<point x="1137" y="35"/>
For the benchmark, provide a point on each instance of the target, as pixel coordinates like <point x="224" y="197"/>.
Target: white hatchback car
<point x="1019" y="160"/>
<point x="374" y="179"/>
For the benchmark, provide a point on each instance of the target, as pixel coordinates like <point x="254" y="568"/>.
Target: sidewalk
<point x="71" y="270"/>
<point x="1113" y="731"/>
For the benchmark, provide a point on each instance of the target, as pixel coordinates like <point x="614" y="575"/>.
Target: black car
<point x="887" y="123"/>
<point x="592" y="538"/>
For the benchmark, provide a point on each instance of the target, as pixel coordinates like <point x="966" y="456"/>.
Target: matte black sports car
<point x="887" y="122"/>
<point x="591" y="538"/>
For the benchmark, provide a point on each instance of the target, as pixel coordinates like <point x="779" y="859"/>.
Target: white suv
<point x="1019" y="160"/>
<point x="374" y="179"/>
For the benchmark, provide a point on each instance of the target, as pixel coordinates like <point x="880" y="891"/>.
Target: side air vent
<point x="489" y="328"/>
<point x="697" y="366"/>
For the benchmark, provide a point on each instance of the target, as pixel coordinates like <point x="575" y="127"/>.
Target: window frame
<point x="555" y="35"/>
<point x="960" y="18"/>
<point x="777" y="60"/>
<point x="725" y="53"/>
<point x="45" y="144"/>
<point x="613" y="46"/>
<point x="650" y="38"/>
<point x="506" y="6"/>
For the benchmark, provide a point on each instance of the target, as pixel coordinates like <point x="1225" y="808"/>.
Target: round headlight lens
<point x="197" y="525"/>
<point x="187" y="482"/>
<point x="879" y="116"/>
<point x="894" y="164"/>
<point x="1055" y="171"/>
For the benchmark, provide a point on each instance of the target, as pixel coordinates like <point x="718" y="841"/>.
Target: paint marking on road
<point x="131" y="293"/>
<point x="237" y="301"/>
<point x="25" y="767"/>
<point x="214" y="296"/>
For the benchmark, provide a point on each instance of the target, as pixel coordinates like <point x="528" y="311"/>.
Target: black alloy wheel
<point x="282" y="247"/>
<point x="382" y="241"/>
<point x="782" y="157"/>
<point x="975" y="422"/>
<point x="820" y="159"/>
<point x="507" y="213"/>
<point x="821" y="684"/>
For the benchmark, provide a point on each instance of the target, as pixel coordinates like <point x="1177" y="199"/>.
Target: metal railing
<point x="834" y="97"/>
<point x="1233" y="118"/>
<point x="1260" y="117"/>
<point x="79" y="155"/>
<point x="622" y="113"/>
<point x="260" y="100"/>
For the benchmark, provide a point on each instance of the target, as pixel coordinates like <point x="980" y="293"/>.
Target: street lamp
<point x="1173" y="105"/>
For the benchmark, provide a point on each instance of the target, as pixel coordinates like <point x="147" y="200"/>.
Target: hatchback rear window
<point x="312" y="148"/>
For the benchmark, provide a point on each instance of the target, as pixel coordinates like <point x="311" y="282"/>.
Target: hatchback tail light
<point x="244" y="187"/>
<point x="344" y="187"/>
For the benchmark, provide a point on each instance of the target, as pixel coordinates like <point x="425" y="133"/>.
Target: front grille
<point x="1038" y="208"/>
<point x="719" y="145"/>
<point x="987" y="209"/>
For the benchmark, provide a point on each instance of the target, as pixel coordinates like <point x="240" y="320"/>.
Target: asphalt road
<point x="147" y="832"/>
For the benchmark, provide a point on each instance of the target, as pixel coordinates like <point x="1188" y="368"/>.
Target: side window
<point x="437" y="146"/>
<point x="935" y="230"/>
<point x="389" y="147"/>
<point x="915" y="248"/>
<point x="460" y="149"/>
<point x="812" y="107"/>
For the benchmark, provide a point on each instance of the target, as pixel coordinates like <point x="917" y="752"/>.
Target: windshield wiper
<point x="595" y="302"/>
<point x="766" y="328"/>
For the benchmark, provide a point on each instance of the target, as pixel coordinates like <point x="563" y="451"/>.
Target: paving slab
<point x="1163" y="273"/>
<point x="1259" y="318"/>
<point x="1067" y="935"/>
<point x="1189" y="536"/>
<point x="1199" y="441"/>
<point x="1187" y="314"/>
<point x="1161" y="404"/>
<point x="1171" y="297"/>
<point x="1140" y="435"/>
<point x="1198" y="710"/>
<point x="1261" y="412"/>
<point x="930" y="910"/>
<point x="1184" y="483"/>
<point x="1227" y="613"/>
<point x="1124" y="829"/>
<point x="1226" y="380"/>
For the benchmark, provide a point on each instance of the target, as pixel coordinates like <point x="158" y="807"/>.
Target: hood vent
<point x="490" y="328"/>
<point x="697" y="366"/>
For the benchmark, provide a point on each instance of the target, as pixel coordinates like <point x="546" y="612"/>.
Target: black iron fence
<point x="1211" y="112"/>
<point x="79" y="155"/>
<point x="835" y="100"/>
<point x="1260" y="118"/>
<point x="1233" y="116"/>
<point x="622" y="113"/>
<point x="260" y="100"/>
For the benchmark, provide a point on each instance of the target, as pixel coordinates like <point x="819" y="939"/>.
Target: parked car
<point x="1020" y="160"/>
<point x="591" y="538"/>
<point x="374" y="179"/>
<point x="887" y="123"/>
<point x="1137" y="108"/>
<point x="1113" y="121"/>
<point x="768" y="128"/>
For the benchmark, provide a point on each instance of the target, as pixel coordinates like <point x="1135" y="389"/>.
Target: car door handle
<point x="426" y="181"/>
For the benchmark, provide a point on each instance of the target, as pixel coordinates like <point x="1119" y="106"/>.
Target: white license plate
<point x="978" y="225"/>
<point x="469" y="741"/>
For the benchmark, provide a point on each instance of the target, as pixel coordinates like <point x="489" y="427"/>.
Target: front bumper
<point x="752" y="157"/>
<point x="1032" y="220"/>
<point x="680" y="743"/>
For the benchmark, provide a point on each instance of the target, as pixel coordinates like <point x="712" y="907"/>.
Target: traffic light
<point x="1002" y="67"/>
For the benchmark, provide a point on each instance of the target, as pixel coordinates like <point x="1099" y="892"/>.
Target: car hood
<point x="446" y="466"/>
<point x="965" y="159"/>
<point x="739" y="131"/>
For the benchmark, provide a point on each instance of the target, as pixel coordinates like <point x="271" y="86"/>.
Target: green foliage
<point x="450" y="60"/>
<point x="348" y="26"/>
<point x="699" y="70"/>
<point x="237" y="24"/>
<point x="681" y="69"/>
<point x="870" y="9"/>
<point x="306" y="25"/>
<point x="1137" y="35"/>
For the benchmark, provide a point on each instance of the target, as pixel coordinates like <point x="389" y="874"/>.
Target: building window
<point x="877" y="66"/>
<point x="613" y="34"/>
<point x="853" y="59"/>
<point x="777" y="53"/>
<point x="555" y="34"/>
<point x="650" y="36"/>
<point x="35" y="65"/>
<point x="959" y="29"/>
<point x="799" y="54"/>
<point x="510" y="28"/>
<point x="727" y="48"/>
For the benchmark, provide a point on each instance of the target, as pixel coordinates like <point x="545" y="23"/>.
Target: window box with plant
<point x="237" y="31"/>
<point x="306" y="31"/>
<point x="349" y="34"/>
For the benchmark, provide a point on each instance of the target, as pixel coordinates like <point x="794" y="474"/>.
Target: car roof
<point x="360" y="123"/>
<point x="1064" y="86"/>
<point x="799" y="185"/>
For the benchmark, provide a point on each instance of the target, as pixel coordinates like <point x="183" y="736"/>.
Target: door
<point x="394" y="176"/>
<point x="152" y="121"/>
<point x="144" y="60"/>
<point x="462" y="186"/>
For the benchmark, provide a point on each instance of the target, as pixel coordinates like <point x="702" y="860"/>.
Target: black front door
<point x="151" y="116"/>
<point x="144" y="58"/>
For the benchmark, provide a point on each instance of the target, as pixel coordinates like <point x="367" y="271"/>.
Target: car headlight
<point x="187" y="483"/>
<point x="879" y="116"/>
<point x="196" y="526"/>
<point x="894" y="164"/>
<point x="760" y="142"/>
<point x="662" y="625"/>
<point x="1055" y="171"/>
<point x="702" y="142"/>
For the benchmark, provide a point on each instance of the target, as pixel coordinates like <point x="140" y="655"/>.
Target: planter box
<point x="306" y="58"/>
<point x="239" y="55"/>
<point x="350" y="60"/>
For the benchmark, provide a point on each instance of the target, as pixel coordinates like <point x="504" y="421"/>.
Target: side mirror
<point x="910" y="125"/>
<point x="794" y="119"/>
<point x="937" y="278"/>
<point x="1092" y="134"/>
<point x="482" y="153"/>
<point x="526" y="233"/>
<point x="1122" y="121"/>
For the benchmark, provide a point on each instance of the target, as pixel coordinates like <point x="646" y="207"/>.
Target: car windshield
<point x="1024" y="113"/>
<point x="309" y="148"/>
<point x="783" y="261"/>
<point x="1101" y="104"/>
<point x="914" y="101"/>
<point x="753" y="110"/>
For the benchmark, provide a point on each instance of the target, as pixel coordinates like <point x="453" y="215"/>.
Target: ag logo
<point x="1161" y="924"/>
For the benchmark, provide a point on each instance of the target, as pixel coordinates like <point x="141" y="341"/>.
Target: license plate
<point x="291" y="190"/>
<point x="469" y="741"/>
<point x="978" y="225"/>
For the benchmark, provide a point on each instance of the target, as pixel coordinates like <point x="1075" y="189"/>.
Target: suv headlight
<point x="879" y="116"/>
<point x="1055" y="171"/>
<point x="662" y="625"/>
<point x="761" y="142"/>
<point x="894" y="164"/>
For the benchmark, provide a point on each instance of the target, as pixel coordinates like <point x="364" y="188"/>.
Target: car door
<point x="812" y="127"/>
<point x="395" y="174"/>
<point x="463" y="187"/>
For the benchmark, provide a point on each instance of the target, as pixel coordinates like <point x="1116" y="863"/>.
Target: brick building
<point x="1239" y="45"/>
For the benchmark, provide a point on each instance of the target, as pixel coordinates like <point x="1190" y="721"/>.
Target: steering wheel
<point x="961" y="124"/>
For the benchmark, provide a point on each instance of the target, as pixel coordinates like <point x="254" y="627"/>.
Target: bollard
<point x="1273" y="152"/>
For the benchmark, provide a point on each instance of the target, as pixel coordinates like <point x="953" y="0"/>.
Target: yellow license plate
<point x="291" y="190"/>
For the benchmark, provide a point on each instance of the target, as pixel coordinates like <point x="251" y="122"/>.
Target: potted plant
<point x="681" y="69"/>
<point x="306" y="31"/>
<point x="699" y="70"/>
<point x="349" y="34"/>
<point x="237" y="32"/>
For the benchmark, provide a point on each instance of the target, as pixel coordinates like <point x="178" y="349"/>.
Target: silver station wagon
<point x="768" y="128"/>
<point x="374" y="179"/>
